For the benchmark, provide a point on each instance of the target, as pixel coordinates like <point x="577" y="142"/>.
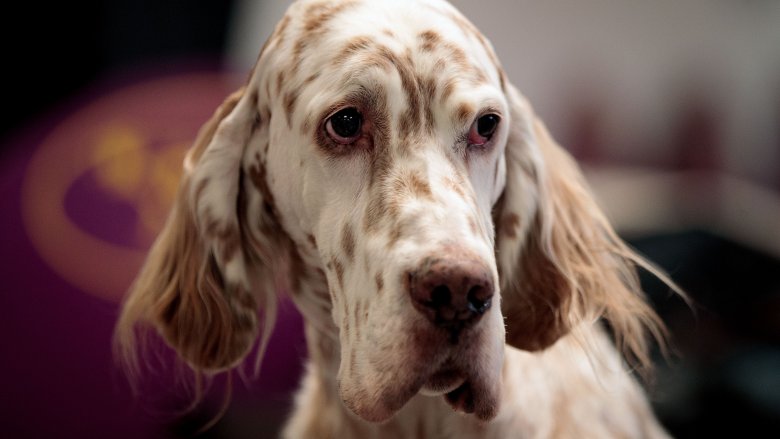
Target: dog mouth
<point x="466" y="375"/>
<point x="464" y="390"/>
<point x="462" y="398"/>
<point x="443" y="382"/>
<point x="456" y="388"/>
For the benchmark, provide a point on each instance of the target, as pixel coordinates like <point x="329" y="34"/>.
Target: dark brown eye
<point x="483" y="129"/>
<point x="344" y="126"/>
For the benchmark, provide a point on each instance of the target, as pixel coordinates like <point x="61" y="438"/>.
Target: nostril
<point x="478" y="300"/>
<point x="440" y="296"/>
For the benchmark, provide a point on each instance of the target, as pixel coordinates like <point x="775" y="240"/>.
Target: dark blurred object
<point x="725" y="381"/>
<point x="57" y="48"/>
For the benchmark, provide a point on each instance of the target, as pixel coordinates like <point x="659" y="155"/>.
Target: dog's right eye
<point x="344" y="127"/>
<point x="483" y="129"/>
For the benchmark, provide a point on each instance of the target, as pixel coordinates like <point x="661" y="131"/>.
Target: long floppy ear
<point x="560" y="261"/>
<point x="202" y="284"/>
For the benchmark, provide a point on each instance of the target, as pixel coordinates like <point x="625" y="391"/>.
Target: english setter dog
<point x="453" y="270"/>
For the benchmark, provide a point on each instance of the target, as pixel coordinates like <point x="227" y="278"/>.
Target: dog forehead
<point x="372" y="14"/>
<point x="322" y="36"/>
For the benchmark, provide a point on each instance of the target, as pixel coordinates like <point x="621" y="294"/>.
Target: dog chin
<point x="467" y="375"/>
<point x="443" y="382"/>
<point x="477" y="395"/>
<point x="374" y="404"/>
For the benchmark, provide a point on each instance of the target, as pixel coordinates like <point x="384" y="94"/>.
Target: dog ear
<point x="202" y="283"/>
<point x="560" y="261"/>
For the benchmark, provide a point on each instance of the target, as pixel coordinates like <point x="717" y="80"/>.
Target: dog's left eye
<point x="483" y="128"/>
<point x="344" y="126"/>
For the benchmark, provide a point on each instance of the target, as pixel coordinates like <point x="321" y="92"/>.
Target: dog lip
<point x="462" y="398"/>
<point x="373" y="408"/>
<point x="442" y="382"/>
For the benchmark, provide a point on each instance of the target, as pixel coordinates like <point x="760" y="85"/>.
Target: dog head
<point x="379" y="167"/>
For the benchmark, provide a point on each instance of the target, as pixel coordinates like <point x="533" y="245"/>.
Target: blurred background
<point x="672" y="107"/>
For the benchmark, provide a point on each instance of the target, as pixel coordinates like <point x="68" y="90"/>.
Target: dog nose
<point x="451" y="293"/>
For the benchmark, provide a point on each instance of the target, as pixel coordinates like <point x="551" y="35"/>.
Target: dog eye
<point x="483" y="129"/>
<point x="344" y="126"/>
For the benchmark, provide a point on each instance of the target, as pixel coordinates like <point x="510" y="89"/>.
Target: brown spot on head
<point x="411" y="120"/>
<point x="345" y="323"/>
<point x="319" y="14"/>
<point x="229" y="239"/>
<point x="311" y="78"/>
<point x="358" y="319"/>
<point x="380" y="282"/>
<point x="264" y="112"/>
<point x="375" y="211"/>
<point x="312" y="241"/>
<point x="356" y="45"/>
<point x="257" y="174"/>
<point x="353" y="360"/>
<point x="395" y="234"/>
<point x="428" y="89"/>
<point x="455" y="186"/>
<point x="448" y="89"/>
<point x="297" y="55"/>
<point x="502" y="78"/>
<point x="457" y="56"/>
<point x="419" y="187"/>
<point x="338" y="268"/>
<point x="429" y="40"/>
<point x="290" y="99"/>
<point x="383" y="205"/>
<point x="473" y="226"/>
<point x="256" y="122"/>
<point x="464" y="112"/>
<point x="479" y="77"/>
<point x="281" y="31"/>
<point x="279" y="82"/>
<point x="375" y="59"/>
<point x="509" y="224"/>
<point x="382" y="161"/>
<point x="348" y="241"/>
<point x="299" y="270"/>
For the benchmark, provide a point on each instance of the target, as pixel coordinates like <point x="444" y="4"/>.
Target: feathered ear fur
<point x="202" y="283"/>
<point x="560" y="261"/>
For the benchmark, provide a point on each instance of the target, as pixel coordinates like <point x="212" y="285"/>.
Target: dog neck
<point x="537" y="389"/>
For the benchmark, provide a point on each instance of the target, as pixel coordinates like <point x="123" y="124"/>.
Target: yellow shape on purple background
<point x="99" y="186"/>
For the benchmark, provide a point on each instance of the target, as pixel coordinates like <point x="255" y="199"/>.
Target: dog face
<point x="396" y="145"/>
<point x="379" y="167"/>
